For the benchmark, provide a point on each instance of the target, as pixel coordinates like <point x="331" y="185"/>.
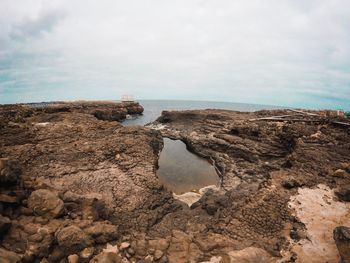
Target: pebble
<point x="158" y="254"/>
<point x="73" y="258"/>
<point x="124" y="245"/>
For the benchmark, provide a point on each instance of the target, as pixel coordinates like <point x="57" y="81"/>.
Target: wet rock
<point x="46" y="203"/>
<point x="102" y="232"/>
<point x="9" y="171"/>
<point x="343" y="193"/>
<point x="5" y="224"/>
<point x="7" y="256"/>
<point x="106" y="257"/>
<point x="72" y="239"/>
<point x="341" y="236"/>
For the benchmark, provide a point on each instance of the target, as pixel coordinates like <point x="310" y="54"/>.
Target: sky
<point x="279" y="52"/>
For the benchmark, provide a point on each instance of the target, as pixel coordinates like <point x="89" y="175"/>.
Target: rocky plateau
<point x="78" y="186"/>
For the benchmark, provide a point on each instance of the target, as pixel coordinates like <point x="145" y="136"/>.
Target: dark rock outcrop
<point x="343" y="193"/>
<point x="5" y="224"/>
<point x="341" y="237"/>
<point x="9" y="171"/>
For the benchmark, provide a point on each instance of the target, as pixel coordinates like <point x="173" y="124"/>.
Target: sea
<point x="153" y="108"/>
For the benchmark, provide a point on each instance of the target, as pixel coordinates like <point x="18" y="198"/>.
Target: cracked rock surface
<point x="77" y="186"/>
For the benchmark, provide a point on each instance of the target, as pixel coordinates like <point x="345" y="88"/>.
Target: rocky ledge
<point x="77" y="188"/>
<point x="102" y="110"/>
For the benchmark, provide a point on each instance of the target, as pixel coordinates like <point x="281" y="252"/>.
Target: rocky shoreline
<point x="78" y="186"/>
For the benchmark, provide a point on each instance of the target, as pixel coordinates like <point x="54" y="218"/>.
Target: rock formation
<point x="78" y="186"/>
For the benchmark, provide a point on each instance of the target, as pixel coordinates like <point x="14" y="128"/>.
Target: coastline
<point x="75" y="180"/>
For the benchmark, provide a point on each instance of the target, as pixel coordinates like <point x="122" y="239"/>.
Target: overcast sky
<point x="280" y="52"/>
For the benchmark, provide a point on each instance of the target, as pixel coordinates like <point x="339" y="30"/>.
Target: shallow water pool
<point x="181" y="171"/>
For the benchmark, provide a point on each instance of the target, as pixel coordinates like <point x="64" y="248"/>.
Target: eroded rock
<point x="102" y="232"/>
<point x="7" y="256"/>
<point x="46" y="203"/>
<point x="106" y="257"/>
<point x="72" y="239"/>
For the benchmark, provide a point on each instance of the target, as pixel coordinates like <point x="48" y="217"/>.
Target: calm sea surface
<point x="154" y="108"/>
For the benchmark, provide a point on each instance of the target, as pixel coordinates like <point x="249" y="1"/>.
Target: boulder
<point x="72" y="239"/>
<point x="46" y="203"/>
<point x="9" y="171"/>
<point x="5" y="224"/>
<point x="106" y="257"/>
<point x="102" y="232"/>
<point x="7" y="256"/>
<point x="341" y="236"/>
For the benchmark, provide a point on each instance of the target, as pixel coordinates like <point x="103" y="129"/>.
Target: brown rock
<point x="72" y="239"/>
<point x="73" y="258"/>
<point x="182" y="249"/>
<point x="102" y="232"/>
<point x="8" y="199"/>
<point x="341" y="236"/>
<point x="7" y="256"/>
<point x="87" y="253"/>
<point x="46" y="203"/>
<point x="106" y="257"/>
<point x="340" y="173"/>
<point x="158" y="254"/>
<point x="160" y="244"/>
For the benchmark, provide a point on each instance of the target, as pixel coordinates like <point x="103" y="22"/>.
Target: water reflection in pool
<point x="182" y="171"/>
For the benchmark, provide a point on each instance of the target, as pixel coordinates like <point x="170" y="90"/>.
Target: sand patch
<point x="319" y="210"/>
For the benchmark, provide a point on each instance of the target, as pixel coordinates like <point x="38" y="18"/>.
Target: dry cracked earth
<point x="78" y="186"/>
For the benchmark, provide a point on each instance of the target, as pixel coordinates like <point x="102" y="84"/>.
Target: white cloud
<point x="273" y="52"/>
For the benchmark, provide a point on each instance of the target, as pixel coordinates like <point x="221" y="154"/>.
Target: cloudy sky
<point x="280" y="52"/>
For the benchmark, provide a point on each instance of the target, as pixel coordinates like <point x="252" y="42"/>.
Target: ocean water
<point x="154" y="108"/>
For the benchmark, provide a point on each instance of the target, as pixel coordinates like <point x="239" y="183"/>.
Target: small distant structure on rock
<point x="332" y="113"/>
<point x="127" y="98"/>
